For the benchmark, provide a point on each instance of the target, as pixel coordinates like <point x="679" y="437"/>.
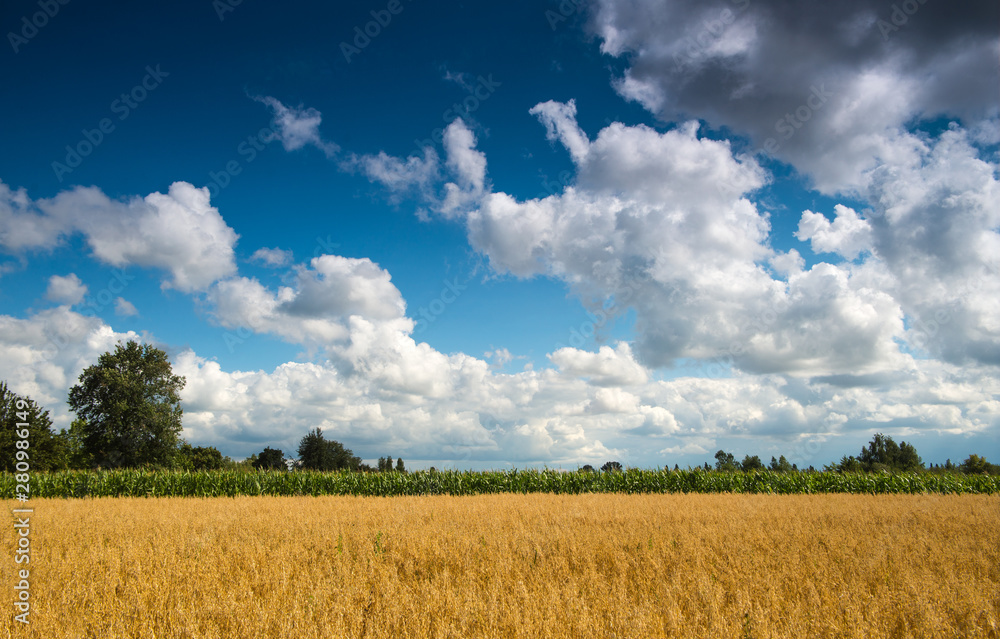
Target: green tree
<point x="751" y="463"/>
<point x="400" y="467"/>
<point x="129" y="404"/>
<point x="780" y="465"/>
<point x="612" y="467"/>
<point x="725" y="461"/>
<point x="199" y="457"/>
<point x="76" y="455"/>
<point x="883" y="453"/>
<point x="318" y="453"/>
<point x="46" y="450"/>
<point x="270" y="459"/>
<point x="975" y="465"/>
<point x="847" y="464"/>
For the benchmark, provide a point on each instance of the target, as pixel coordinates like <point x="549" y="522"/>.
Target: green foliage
<point x="270" y="459"/>
<point x="318" y="453"/>
<point x="612" y="467"/>
<point x="725" y="462"/>
<point x="46" y="450"/>
<point x="883" y="453"/>
<point x="129" y="408"/>
<point x="400" y="467"/>
<point x="199" y="458"/>
<point x="231" y="483"/>
<point x="847" y="464"/>
<point x="976" y="465"/>
<point x="76" y="454"/>
<point x="781" y="465"/>
<point x="751" y="464"/>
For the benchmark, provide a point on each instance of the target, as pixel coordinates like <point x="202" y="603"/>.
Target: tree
<point x="400" y="467"/>
<point x="725" y="461"/>
<point x="975" y="465"/>
<point x="780" y="465"/>
<point x="884" y="454"/>
<point x="318" y="453"/>
<point x="846" y="465"/>
<point x="612" y="467"/>
<point x="199" y="457"/>
<point x="751" y="463"/>
<point x="45" y="450"/>
<point x="129" y="404"/>
<point x="381" y="464"/>
<point x="270" y="459"/>
<point x="587" y="468"/>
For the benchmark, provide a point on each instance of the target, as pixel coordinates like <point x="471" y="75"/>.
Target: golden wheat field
<point x="513" y="566"/>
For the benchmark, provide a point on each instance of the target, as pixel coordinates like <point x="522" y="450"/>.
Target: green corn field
<point x="232" y="483"/>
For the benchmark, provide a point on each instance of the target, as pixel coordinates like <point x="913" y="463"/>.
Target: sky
<point x="521" y="234"/>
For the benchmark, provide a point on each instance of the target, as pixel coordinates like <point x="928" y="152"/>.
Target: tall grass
<point x="231" y="483"/>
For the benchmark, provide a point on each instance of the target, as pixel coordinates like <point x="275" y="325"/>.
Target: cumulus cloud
<point x="317" y="309"/>
<point x="24" y="227"/>
<point x="297" y="127"/>
<point x="663" y="223"/>
<point x="848" y="235"/>
<point x="179" y="232"/>
<point x="607" y="367"/>
<point x="936" y="225"/>
<point x="831" y="85"/>
<point x="67" y="290"/>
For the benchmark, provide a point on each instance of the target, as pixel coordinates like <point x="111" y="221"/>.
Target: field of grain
<point x="534" y="565"/>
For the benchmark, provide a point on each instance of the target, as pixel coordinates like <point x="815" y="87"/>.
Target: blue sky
<point x="521" y="234"/>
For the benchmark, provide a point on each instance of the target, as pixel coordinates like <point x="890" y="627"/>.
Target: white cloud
<point x="400" y="176"/>
<point x="661" y="223"/>
<point x="560" y="124"/>
<point x="67" y="290"/>
<point x="179" y="231"/>
<point x="607" y="367"/>
<point x="125" y="308"/>
<point x="316" y="311"/>
<point x="297" y="127"/>
<point x="936" y="225"/>
<point x="467" y="164"/>
<point x="23" y="226"/>
<point x="848" y="235"/>
<point x="272" y="257"/>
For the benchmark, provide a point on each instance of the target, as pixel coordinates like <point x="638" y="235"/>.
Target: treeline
<point x="318" y="453"/>
<point x="882" y="454"/>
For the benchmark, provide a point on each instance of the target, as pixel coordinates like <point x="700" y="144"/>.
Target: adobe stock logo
<point x="363" y="36"/>
<point x="38" y="20"/>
